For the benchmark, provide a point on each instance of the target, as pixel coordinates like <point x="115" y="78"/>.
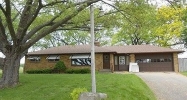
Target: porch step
<point x="105" y="70"/>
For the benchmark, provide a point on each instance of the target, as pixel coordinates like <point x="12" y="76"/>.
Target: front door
<point x="121" y="62"/>
<point x="106" y="61"/>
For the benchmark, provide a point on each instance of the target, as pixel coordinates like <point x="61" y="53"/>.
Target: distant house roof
<point x="70" y="49"/>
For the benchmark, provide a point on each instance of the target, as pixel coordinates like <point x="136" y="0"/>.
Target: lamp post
<point x="92" y="49"/>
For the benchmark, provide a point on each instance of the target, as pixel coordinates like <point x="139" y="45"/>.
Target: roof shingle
<point x="141" y="49"/>
<point x="73" y="49"/>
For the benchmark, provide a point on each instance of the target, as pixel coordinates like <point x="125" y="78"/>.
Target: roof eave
<point x="66" y="53"/>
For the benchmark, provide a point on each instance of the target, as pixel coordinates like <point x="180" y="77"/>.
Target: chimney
<point x="97" y="43"/>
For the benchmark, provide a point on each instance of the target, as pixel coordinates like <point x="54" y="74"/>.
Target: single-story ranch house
<point x="115" y="58"/>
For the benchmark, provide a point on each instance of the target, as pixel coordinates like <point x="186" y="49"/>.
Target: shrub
<point x="44" y="71"/>
<point x="60" y="67"/>
<point x="78" y="71"/>
<point x="76" y="92"/>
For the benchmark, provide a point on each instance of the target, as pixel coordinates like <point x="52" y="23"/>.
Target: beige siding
<point x="44" y="64"/>
<point x="175" y="62"/>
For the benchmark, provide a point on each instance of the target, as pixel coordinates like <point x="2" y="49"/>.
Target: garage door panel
<point x="155" y="62"/>
<point x="167" y="66"/>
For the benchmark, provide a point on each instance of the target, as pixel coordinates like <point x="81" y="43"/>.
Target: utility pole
<point x="92" y="49"/>
<point x="92" y="95"/>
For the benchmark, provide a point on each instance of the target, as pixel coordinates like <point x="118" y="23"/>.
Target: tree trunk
<point x="10" y="75"/>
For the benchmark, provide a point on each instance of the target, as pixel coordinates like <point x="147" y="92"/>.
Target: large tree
<point x="137" y="21"/>
<point x="78" y="35"/>
<point x="21" y="27"/>
<point x="143" y="23"/>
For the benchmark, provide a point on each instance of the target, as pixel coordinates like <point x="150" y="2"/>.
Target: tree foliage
<point x="80" y="34"/>
<point x="170" y="26"/>
<point x="142" y="23"/>
<point x="184" y="32"/>
<point x="136" y="23"/>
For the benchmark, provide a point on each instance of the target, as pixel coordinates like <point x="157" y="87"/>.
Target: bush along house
<point x="113" y="58"/>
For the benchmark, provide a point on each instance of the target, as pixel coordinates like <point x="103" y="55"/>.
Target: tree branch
<point x="2" y="29"/>
<point x="14" y="18"/>
<point x="37" y="28"/>
<point x="2" y="9"/>
<point x="9" y="21"/>
<point x="43" y="33"/>
<point x="3" y="37"/>
<point x="29" y="14"/>
<point x="171" y="3"/>
<point x="118" y="10"/>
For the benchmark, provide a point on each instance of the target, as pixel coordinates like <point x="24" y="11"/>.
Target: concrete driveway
<point x="166" y="86"/>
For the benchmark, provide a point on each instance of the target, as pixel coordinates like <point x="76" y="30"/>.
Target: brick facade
<point x="132" y="58"/>
<point x="45" y="64"/>
<point x="175" y="62"/>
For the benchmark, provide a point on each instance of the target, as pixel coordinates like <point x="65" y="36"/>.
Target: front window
<point x="34" y="58"/>
<point x="81" y="60"/>
<point x="116" y="60"/>
<point x="53" y="58"/>
<point x="127" y="60"/>
<point x="121" y="60"/>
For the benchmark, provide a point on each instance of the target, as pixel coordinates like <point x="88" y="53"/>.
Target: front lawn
<point x="59" y="87"/>
<point x="184" y="73"/>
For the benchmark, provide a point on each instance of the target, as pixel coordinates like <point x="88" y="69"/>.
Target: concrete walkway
<point x="166" y="86"/>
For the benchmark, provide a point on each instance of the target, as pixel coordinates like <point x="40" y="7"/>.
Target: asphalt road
<point x="166" y="86"/>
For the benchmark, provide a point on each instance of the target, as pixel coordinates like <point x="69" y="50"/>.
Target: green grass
<point x="59" y="87"/>
<point x="184" y="73"/>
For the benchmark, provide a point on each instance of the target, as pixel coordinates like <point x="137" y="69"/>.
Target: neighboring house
<point x="117" y="58"/>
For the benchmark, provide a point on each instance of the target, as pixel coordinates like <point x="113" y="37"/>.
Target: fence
<point x="182" y="64"/>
